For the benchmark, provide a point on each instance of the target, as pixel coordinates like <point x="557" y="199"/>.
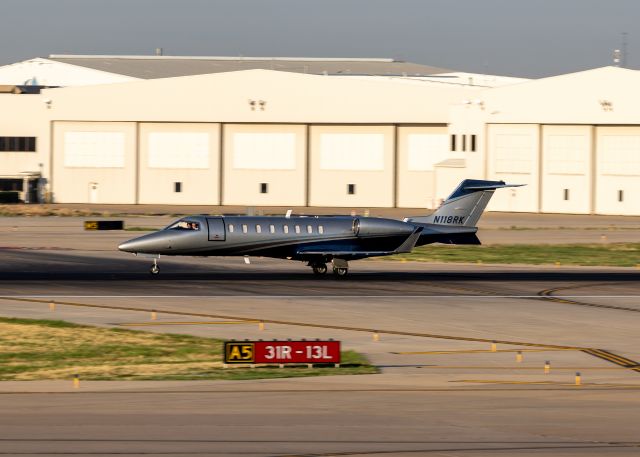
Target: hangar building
<point x="573" y="139"/>
<point x="343" y="133"/>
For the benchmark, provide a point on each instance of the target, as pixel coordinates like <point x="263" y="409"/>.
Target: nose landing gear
<point x="155" y="269"/>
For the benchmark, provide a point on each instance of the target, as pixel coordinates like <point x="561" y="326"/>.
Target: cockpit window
<point x="184" y="225"/>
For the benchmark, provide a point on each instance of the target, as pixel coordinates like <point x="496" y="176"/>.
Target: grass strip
<point x="46" y="349"/>
<point x="612" y="254"/>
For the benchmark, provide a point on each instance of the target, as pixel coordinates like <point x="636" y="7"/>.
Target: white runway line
<point x="321" y="296"/>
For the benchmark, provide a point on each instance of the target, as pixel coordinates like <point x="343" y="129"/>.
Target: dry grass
<point x="38" y="350"/>
<point x="46" y="210"/>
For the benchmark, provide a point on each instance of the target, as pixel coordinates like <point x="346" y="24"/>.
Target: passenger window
<point x="230" y="228"/>
<point x="258" y="229"/>
<point x="321" y="230"/>
<point x="309" y="229"/>
<point x="286" y="229"/>
<point x="245" y="229"/>
<point x="297" y="229"/>
<point x="272" y="228"/>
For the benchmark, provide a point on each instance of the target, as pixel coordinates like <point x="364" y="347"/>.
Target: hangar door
<point x="264" y="164"/>
<point x="419" y="150"/>
<point x="513" y="156"/>
<point x="618" y="170"/>
<point x="351" y="166"/>
<point x="94" y="162"/>
<point x="566" y="169"/>
<point x="179" y="163"/>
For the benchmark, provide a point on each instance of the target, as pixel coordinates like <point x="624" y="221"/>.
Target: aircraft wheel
<point x="154" y="270"/>
<point x="340" y="272"/>
<point x="319" y="268"/>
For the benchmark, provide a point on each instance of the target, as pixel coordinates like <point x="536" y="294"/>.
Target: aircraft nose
<point x="129" y="246"/>
<point x="152" y="243"/>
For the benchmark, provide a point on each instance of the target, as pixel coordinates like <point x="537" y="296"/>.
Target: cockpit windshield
<point x="184" y="224"/>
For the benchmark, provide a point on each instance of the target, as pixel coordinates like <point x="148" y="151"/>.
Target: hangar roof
<point x="454" y="78"/>
<point x="46" y="72"/>
<point x="258" y="96"/>
<point x="151" y="67"/>
<point x="605" y="95"/>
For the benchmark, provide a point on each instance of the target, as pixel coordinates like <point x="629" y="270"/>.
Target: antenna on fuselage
<point x="288" y="215"/>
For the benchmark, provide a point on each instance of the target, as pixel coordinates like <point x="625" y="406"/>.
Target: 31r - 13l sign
<point x="282" y="352"/>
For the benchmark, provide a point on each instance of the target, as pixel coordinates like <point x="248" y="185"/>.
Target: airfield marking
<point x="311" y="297"/>
<point x="600" y="353"/>
<point x="537" y="368"/>
<point x="150" y="324"/>
<point x="303" y="324"/>
<point x="547" y="294"/>
<point x="547" y="383"/>
<point x="475" y="351"/>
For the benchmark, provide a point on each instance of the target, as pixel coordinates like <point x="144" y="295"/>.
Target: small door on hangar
<point x="216" y="228"/>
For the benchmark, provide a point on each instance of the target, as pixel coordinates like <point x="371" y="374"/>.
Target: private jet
<point x="320" y="240"/>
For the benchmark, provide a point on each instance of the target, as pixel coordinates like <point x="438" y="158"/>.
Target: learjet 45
<point x="320" y="240"/>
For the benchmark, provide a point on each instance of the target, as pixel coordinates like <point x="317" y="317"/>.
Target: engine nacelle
<point x="373" y="226"/>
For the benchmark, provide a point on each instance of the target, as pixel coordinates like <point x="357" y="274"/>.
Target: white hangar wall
<point x="262" y="137"/>
<point x="573" y="139"/>
<point x="254" y="137"/>
<point x="24" y="116"/>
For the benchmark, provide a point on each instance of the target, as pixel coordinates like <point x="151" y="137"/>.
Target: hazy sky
<point x="512" y="37"/>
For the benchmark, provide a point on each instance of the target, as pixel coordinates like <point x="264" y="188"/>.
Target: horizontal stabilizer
<point x="459" y="238"/>
<point x="494" y="187"/>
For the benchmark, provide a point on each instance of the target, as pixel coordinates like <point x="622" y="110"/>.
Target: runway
<point x="445" y="337"/>
<point x="107" y="273"/>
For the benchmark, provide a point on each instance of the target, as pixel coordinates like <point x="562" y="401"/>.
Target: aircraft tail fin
<point x="465" y="205"/>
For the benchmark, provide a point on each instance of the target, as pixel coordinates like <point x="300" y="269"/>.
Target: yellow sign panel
<point x="239" y="352"/>
<point x="91" y="225"/>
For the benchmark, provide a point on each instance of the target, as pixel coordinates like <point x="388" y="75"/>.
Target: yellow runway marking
<point x="479" y="351"/>
<point x="602" y="354"/>
<point x="545" y="383"/>
<point x="302" y="324"/>
<point x="476" y="367"/>
<point x="150" y="324"/>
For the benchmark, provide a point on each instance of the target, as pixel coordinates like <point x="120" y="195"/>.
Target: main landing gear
<point x="155" y="269"/>
<point x="340" y="268"/>
<point x="319" y="268"/>
<point x="340" y="272"/>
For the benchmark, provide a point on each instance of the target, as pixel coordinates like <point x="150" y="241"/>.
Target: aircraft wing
<point x="343" y="253"/>
<point x="407" y="245"/>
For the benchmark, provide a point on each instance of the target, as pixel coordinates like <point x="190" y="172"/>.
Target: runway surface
<point x="99" y="273"/>
<point x="445" y="337"/>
